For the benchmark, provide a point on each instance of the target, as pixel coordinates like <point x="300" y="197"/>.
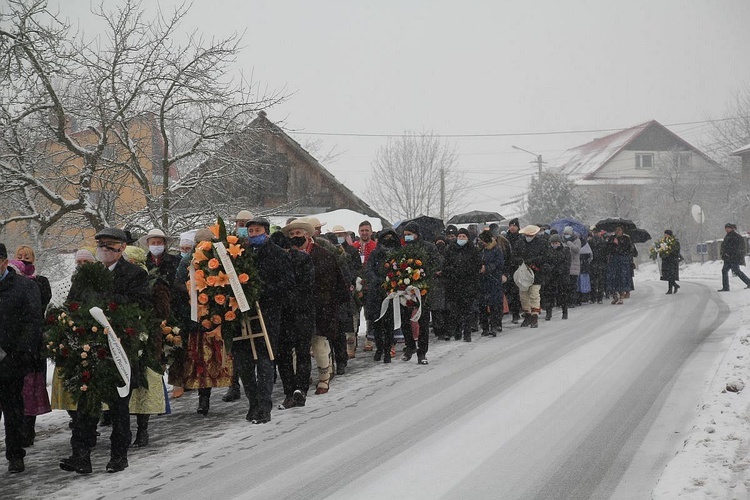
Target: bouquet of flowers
<point x="79" y="346"/>
<point x="405" y="269"/>
<point x="217" y="300"/>
<point x="171" y="341"/>
<point x="663" y="247"/>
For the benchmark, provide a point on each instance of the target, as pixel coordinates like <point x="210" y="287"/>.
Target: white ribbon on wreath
<point x="404" y="296"/>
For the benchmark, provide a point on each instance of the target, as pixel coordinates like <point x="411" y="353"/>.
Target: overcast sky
<point x="490" y="67"/>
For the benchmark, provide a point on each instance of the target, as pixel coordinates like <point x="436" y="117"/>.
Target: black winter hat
<point x="668" y="232"/>
<point x="451" y="229"/>
<point x="464" y="231"/>
<point x="486" y="236"/>
<point x="729" y="224"/>
<point x="513" y="222"/>
<point x="413" y="227"/>
<point x="555" y="238"/>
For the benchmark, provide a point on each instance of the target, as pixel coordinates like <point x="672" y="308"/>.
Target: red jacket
<point x="364" y="252"/>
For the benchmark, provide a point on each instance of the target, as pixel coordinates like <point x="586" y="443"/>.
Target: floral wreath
<point x="405" y="268"/>
<point x="217" y="302"/>
<point x="79" y="345"/>
<point x="664" y="247"/>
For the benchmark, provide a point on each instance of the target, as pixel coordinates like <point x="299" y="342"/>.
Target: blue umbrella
<point x="578" y="226"/>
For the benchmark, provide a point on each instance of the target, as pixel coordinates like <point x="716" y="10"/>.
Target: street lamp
<point x="539" y="161"/>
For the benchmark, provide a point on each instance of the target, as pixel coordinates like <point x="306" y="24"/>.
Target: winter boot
<point x="526" y="319"/>
<point x="516" y="318"/>
<point x="615" y="297"/>
<point x="387" y="355"/>
<point x="141" y="436"/>
<point x="204" y="397"/>
<point x="77" y="463"/>
<point x="548" y="316"/>
<point x="117" y="464"/>
<point x="669" y="291"/>
<point x="233" y="393"/>
<point x="565" y="312"/>
<point x="351" y="345"/>
<point x="379" y="354"/>
<point x="534" y="321"/>
<point x="676" y="287"/>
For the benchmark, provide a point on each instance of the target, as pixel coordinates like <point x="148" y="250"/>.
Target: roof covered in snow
<point x="582" y="162"/>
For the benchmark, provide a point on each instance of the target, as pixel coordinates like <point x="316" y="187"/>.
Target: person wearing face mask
<point x="461" y="273"/>
<point x="331" y="292"/>
<point x="129" y="286"/>
<point x="240" y="221"/>
<point x="388" y="242"/>
<point x="573" y="242"/>
<point x="277" y="280"/>
<point x="556" y="288"/>
<point x="510" y="289"/>
<point x="490" y="285"/>
<point x="433" y="265"/>
<point x="351" y="266"/>
<point x="533" y="251"/>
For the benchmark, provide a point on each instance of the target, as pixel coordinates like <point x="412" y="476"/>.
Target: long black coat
<point x="331" y="291"/>
<point x="733" y="248"/>
<point x="20" y="325"/>
<point x="670" y="265"/>
<point x="374" y="275"/>
<point x="534" y="254"/>
<point x="461" y="273"/>
<point x="491" y="280"/>
<point x="300" y="309"/>
<point x="558" y="269"/>
<point x="130" y="286"/>
<point x="432" y="265"/>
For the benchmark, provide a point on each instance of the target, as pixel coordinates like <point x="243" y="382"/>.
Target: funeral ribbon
<point x="234" y="281"/>
<point x="193" y="295"/>
<point x="115" y="349"/>
<point x="402" y="297"/>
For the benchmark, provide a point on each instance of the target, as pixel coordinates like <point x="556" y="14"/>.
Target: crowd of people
<point x="313" y="289"/>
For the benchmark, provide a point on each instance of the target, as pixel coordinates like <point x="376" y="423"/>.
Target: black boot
<point x="28" y="433"/>
<point x="77" y="463"/>
<point x="534" y="321"/>
<point x="676" y="287"/>
<point x="204" y="397"/>
<point x="565" y="312"/>
<point x="548" y="316"/>
<point x="233" y="393"/>
<point x="141" y="436"/>
<point x="516" y="317"/>
<point x="379" y="354"/>
<point x="526" y="319"/>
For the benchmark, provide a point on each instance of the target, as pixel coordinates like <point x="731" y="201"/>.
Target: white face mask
<point x="156" y="249"/>
<point x="462" y="242"/>
<point x="529" y="238"/>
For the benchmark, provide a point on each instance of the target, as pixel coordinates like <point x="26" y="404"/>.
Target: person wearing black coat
<point x="388" y="241"/>
<point x="670" y="264"/>
<point x="532" y="250"/>
<point x="297" y="327"/>
<point x="556" y="290"/>
<point x="20" y="337"/>
<point x="510" y="289"/>
<point x="598" y="268"/>
<point x="491" y="284"/>
<point x="732" y="251"/>
<point x="432" y="265"/>
<point x="461" y="273"/>
<point x="277" y="278"/>
<point x="129" y="286"/>
<point x="619" y="266"/>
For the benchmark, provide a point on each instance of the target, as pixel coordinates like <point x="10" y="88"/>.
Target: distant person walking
<point x="733" y="254"/>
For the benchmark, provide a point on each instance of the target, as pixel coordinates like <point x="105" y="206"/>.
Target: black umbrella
<point x="610" y="224"/>
<point x="476" y="217"/>
<point x="638" y="235"/>
<point x="430" y="227"/>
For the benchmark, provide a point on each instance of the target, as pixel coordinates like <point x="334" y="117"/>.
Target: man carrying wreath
<point x="130" y="286"/>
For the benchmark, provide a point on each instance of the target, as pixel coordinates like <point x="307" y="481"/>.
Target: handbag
<point x="524" y="277"/>
<point x="35" y="397"/>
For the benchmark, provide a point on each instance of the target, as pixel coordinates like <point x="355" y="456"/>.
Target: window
<point x="644" y="161"/>
<point x="684" y="160"/>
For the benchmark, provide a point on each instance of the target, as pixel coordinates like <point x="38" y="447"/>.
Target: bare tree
<point x="409" y="173"/>
<point x="114" y="129"/>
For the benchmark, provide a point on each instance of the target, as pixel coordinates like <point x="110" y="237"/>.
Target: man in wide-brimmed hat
<point x="533" y="251"/>
<point x="331" y="291"/>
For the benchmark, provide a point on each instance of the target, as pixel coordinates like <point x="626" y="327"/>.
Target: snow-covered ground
<point x="715" y="459"/>
<point x="712" y="463"/>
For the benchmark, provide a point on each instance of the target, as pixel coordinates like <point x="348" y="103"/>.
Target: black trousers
<point x="256" y="375"/>
<point x="338" y="346"/>
<point x="514" y="298"/>
<point x="84" y="428"/>
<point x="423" y="344"/>
<point x="598" y="275"/>
<point x="461" y="316"/>
<point x="384" y="330"/>
<point x="295" y="343"/>
<point x="11" y="401"/>
<point x="491" y="316"/>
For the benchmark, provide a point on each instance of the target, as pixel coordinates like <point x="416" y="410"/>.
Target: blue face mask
<point x="257" y="241"/>
<point x="242" y="232"/>
<point x="341" y="240"/>
<point x="409" y="237"/>
<point x="184" y="254"/>
<point x="462" y="242"/>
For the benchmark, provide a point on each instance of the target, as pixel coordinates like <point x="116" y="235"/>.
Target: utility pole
<point x="539" y="160"/>
<point x="442" y="193"/>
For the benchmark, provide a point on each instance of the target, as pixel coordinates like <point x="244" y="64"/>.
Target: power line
<point x="502" y="134"/>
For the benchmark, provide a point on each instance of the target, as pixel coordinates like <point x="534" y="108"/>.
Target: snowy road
<point x="592" y="407"/>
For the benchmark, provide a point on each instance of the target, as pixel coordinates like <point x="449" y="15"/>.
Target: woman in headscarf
<point x="490" y="285"/>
